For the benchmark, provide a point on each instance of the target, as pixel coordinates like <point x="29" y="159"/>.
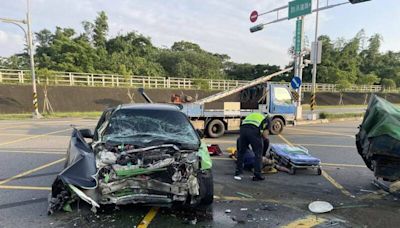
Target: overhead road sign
<point x="299" y="8"/>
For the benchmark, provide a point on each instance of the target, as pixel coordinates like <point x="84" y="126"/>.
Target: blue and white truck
<point x="278" y="103"/>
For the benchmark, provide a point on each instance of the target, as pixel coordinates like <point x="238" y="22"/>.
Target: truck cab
<point x="277" y="102"/>
<point x="279" y="105"/>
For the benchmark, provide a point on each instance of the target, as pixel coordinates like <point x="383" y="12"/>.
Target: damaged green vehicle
<point x="138" y="154"/>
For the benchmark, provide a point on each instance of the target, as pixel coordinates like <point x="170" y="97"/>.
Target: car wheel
<point x="215" y="128"/>
<point x="206" y="187"/>
<point x="276" y="126"/>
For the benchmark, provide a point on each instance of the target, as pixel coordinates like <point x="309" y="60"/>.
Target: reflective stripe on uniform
<point x="254" y="118"/>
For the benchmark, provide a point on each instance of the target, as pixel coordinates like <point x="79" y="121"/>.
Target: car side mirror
<point x="86" y="133"/>
<point x="200" y="133"/>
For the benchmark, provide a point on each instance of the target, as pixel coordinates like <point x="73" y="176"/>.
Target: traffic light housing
<point x="357" y="1"/>
<point x="257" y="28"/>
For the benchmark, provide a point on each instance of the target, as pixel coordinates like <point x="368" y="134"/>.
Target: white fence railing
<point x="9" y="76"/>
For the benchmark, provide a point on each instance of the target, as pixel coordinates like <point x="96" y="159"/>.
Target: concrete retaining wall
<point x="18" y="98"/>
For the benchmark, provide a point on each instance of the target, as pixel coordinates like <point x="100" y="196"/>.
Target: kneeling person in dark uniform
<point x="251" y="134"/>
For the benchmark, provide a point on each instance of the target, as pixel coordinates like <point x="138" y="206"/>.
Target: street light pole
<point x="36" y="113"/>
<point x="28" y="37"/>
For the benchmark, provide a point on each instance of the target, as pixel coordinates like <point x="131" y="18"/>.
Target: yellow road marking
<point x="322" y="132"/>
<point x="323" y="164"/>
<point x="336" y="184"/>
<point x="34" y="137"/>
<point x="13" y="134"/>
<point x="344" y="165"/>
<point x="324" y="174"/>
<point x="14" y="187"/>
<point x="285" y="140"/>
<point x="32" y="152"/>
<point x="221" y="158"/>
<point x="213" y="141"/>
<point x="325" y="145"/>
<point x="31" y="171"/>
<point x="306" y="222"/>
<point x="16" y="126"/>
<point x="148" y="218"/>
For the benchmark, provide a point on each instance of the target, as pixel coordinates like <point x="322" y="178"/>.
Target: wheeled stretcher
<point x="294" y="157"/>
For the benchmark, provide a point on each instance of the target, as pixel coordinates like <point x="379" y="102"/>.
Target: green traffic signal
<point x="256" y="28"/>
<point x="357" y="1"/>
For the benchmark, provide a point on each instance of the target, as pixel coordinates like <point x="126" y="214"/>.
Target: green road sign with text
<point x="299" y="8"/>
<point x="299" y="27"/>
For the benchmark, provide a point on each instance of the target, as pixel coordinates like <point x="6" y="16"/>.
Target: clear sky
<point x="220" y="26"/>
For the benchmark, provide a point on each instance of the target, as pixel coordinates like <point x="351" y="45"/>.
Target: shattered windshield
<point x="150" y="127"/>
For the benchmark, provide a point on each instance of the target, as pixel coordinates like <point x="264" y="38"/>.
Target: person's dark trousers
<point x="250" y="135"/>
<point x="265" y="146"/>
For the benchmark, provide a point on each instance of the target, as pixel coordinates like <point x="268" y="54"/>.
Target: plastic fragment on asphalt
<point x="194" y="221"/>
<point x="244" y="195"/>
<point x="237" y="178"/>
<point x="67" y="207"/>
<point x="238" y="220"/>
<point x="320" y="207"/>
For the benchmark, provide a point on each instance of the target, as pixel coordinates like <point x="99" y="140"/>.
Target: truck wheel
<point x="215" y="128"/>
<point x="276" y="126"/>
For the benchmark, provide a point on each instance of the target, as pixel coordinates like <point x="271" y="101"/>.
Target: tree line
<point x="345" y="62"/>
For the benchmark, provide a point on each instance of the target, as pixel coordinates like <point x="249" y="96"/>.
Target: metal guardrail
<point x="10" y="76"/>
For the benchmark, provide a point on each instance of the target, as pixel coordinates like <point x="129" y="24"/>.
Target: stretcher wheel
<point x="319" y="171"/>
<point x="292" y="170"/>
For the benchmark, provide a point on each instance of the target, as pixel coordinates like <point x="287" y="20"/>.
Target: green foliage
<point x="201" y="84"/>
<point x="388" y="83"/>
<point x="357" y="60"/>
<point x="367" y="79"/>
<point x="343" y="84"/>
<point x="44" y="73"/>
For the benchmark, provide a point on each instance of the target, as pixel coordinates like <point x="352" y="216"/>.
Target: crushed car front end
<point x="137" y="156"/>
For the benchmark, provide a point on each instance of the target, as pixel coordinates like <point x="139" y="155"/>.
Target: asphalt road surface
<point x="32" y="154"/>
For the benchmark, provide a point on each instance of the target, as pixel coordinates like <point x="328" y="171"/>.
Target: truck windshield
<point x="282" y="96"/>
<point x="151" y="127"/>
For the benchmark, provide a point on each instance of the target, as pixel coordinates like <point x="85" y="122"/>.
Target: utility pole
<point x="298" y="9"/>
<point x="28" y="38"/>
<point x="315" y="62"/>
<point x="36" y="113"/>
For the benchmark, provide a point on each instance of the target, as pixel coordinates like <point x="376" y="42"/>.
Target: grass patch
<point x="22" y="116"/>
<point x="324" y="115"/>
<point x="19" y="116"/>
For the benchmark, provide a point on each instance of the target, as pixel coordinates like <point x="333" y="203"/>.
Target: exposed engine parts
<point x="127" y="174"/>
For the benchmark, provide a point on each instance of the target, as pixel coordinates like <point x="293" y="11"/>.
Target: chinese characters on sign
<point x="299" y="27"/>
<point x="299" y="8"/>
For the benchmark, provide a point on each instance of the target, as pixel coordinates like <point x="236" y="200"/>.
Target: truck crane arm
<point x="240" y="88"/>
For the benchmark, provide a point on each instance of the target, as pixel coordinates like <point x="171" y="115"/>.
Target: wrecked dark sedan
<point x="138" y="154"/>
<point x="378" y="141"/>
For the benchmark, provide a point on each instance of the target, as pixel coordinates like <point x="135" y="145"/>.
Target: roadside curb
<point x="309" y="122"/>
<point x="320" y="121"/>
<point x="345" y="119"/>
